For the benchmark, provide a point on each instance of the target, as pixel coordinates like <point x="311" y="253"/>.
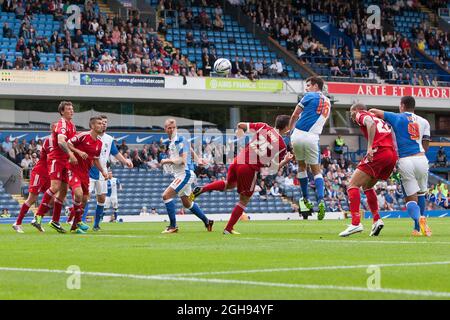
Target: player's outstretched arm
<point x="71" y="148"/>
<point x="125" y="162"/>
<point x="287" y="158"/>
<point x="82" y="154"/>
<point x="100" y="168"/>
<point x="199" y="160"/>
<point x="377" y="113"/>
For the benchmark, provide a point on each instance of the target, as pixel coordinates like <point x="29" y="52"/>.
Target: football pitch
<point x="270" y="260"/>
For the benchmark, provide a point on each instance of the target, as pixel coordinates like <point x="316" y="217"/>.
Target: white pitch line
<point x="427" y="293"/>
<point x="407" y="264"/>
<point x="348" y="241"/>
<point x="116" y="236"/>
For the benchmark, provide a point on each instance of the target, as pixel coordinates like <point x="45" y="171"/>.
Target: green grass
<point x="140" y="249"/>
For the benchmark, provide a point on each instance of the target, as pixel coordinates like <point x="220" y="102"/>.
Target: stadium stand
<point x="194" y="32"/>
<point x="352" y="50"/>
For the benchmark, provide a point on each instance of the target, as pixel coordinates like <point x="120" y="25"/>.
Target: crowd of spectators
<point x="122" y="46"/>
<point x="283" y="21"/>
<point x="24" y="154"/>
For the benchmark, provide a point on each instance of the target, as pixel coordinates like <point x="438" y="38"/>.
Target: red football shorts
<point x="58" y="170"/>
<point x="79" y="180"/>
<point x="384" y="160"/>
<point x="244" y="176"/>
<point x="39" y="181"/>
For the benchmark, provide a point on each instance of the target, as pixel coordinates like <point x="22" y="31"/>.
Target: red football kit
<point x="39" y="179"/>
<point x="265" y="148"/>
<point x="79" y="173"/>
<point x="57" y="159"/>
<point x="384" y="153"/>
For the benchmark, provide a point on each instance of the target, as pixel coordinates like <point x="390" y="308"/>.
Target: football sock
<point x="171" y="211"/>
<point x="303" y="177"/>
<point x="235" y="215"/>
<point x="57" y="207"/>
<point x="98" y="214"/>
<point x="421" y="203"/>
<point x="414" y="212"/>
<point x="23" y="211"/>
<point x="354" y="199"/>
<point x="195" y="209"/>
<point x="71" y="215"/>
<point x="44" y="206"/>
<point x="372" y="201"/>
<point x="216" y="185"/>
<point x="78" y="211"/>
<point x="85" y="212"/>
<point x="318" y="180"/>
<point x="115" y="214"/>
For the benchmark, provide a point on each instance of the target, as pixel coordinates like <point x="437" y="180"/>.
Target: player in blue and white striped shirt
<point x="308" y="120"/>
<point x="412" y="134"/>
<point x="180" y="165"/>
<point x="97" y="183"/>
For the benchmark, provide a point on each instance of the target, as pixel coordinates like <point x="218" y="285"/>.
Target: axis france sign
<point x="243" y="84"/>
<point x="388" y="90"/>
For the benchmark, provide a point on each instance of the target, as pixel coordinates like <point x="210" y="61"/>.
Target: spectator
<point x="26" y="165"/>
<point x="218" y="23"/>
<point x="381" y="200"/>
<point x="123" y="147"/>
<point x="289" y="180"/>
<point x="5" y="213"/>
<point x="3" y="62"/>
<point x="7" y="31"/>
<point x="190" y="39"/>
<point x="389" y="201"/>
<point x="435" y="82"/>
<point x="137" y="161"/>
<point x="441" y="157"/>
<point x="420" y="80"/>
<point x="326" y="153"/>
<point x="275" y="190"/>
<point x="6" y="145"/>
<point x="144" y="212"/>
<point x="427" y="81"/>
<point x="261" y="189"/>
<point x="339" y="144"/>
<point x="333" y="206"/>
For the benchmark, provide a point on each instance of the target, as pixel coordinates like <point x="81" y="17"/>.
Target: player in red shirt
<point x="266" y="149"/>
<point x="87" y="147"/>
<point x="39" y="182"/>
<point x="57" y="164"/>
<point x="378" y="164"/>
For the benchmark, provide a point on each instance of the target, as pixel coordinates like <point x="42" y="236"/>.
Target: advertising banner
<point x="35" y="77"/>
<point x="383" y="90"/>
<point x="104" y="79"/>
<point x="244" y="85"/>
